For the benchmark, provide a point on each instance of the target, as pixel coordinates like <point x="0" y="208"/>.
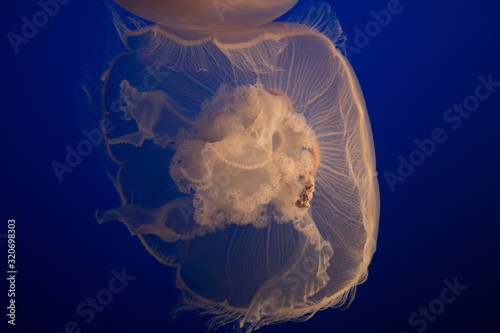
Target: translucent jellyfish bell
<point x="246" y="161"/>
<point x="208" y="15"/>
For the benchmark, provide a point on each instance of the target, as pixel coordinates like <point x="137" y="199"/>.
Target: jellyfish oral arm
<point x="248" y="158"/>
<point x="152" y="111"/>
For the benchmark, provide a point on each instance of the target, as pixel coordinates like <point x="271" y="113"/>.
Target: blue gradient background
<point x="441" y="223"/>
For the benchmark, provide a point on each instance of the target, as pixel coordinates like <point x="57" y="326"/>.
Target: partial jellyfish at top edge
<point x="245" y="160"/>
<point x="209" y="15"/>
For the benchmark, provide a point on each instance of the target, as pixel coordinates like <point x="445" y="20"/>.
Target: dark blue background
<point x="441" y="223"/>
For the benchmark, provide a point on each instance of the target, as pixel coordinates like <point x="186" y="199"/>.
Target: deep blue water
<point x="440" y="224"/>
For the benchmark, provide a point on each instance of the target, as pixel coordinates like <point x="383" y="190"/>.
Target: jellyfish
<point x="209" y="15"/>
<point x="245" y="160"/>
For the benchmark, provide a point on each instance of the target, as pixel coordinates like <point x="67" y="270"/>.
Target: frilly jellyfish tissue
<point x="244" y="156"/>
